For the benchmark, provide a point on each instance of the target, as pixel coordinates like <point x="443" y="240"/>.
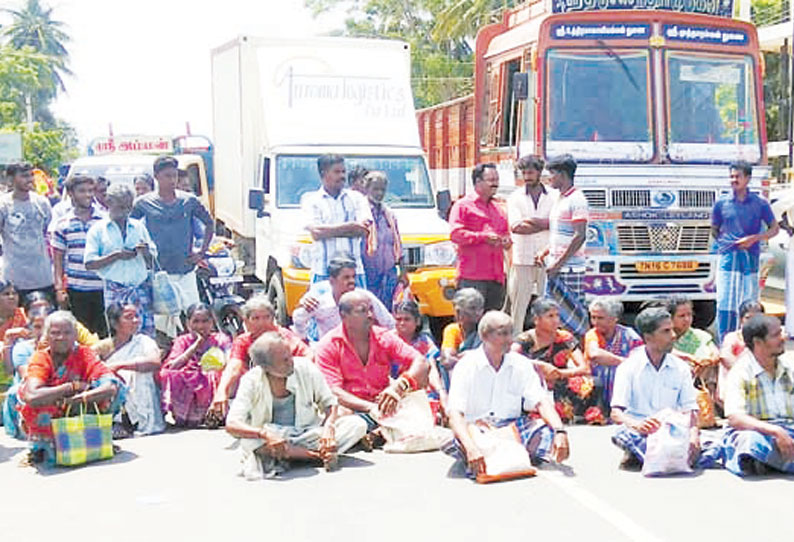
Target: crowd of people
<point x="77" y="326"/>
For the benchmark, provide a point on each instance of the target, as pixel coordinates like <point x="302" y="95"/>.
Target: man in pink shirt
<point x="356" y="358"/>
<point x="480" y="230"/>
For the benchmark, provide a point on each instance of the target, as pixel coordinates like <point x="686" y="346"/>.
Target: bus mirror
<point x="520" y="86"/>
<point x="256" y="202"/>
<point x="266" y="176"/>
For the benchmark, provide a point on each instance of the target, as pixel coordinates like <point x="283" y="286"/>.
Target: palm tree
<point x="461" y="19"/>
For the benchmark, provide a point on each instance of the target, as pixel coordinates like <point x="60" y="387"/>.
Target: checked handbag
<point x="83" y="438"/>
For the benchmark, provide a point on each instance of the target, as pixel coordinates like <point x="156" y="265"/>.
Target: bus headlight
<point x="302" y="256"/>
<point x="441" y="254"/>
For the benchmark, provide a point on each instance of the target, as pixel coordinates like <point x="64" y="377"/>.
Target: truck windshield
<point x="114" y="173"/>
<point x="599" y="105"/>
<point x="409" y="185"/>
<point x="712" y="108"/>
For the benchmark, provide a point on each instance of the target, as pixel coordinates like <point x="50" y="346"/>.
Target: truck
<point x="278" y="104"/>
<point x="654" y="104"/>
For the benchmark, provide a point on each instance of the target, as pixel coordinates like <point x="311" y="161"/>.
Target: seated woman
<point x="187" y="388"/>
<point x="692" y="345"/>
<point x="461" y="335"/>
<point x="62" y="374"/>
<point x="21" y="351"/>
<point x="733" y="344"/>
<point x="606" y="345"/>
<point x="260" y="317"/>
<point x="408" y="327"/>
<point x="13" y="320"/>
<point x="37" y="299"/>
<point x="558" y="359"/>
<point x="135" y="358"/>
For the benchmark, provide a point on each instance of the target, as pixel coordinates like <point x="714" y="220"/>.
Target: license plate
<point x="226" y="280"/>
<point x="666" y="267"/>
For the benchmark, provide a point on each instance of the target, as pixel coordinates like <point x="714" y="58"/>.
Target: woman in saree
<point x="733" y="344"/>
<point x="12" y="326"/>
<point x="188" y="387"/>
<point x="135" y="358"/>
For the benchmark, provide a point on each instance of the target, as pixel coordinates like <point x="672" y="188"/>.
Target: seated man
<point x="318" y="310"/>
<point x="260" y="317"/>
<point x="759" y="403"/>
<point x="284" y="410"/>
<point x="494" y="385"/>
<point x="60" y="375"/>
<point x="649" y="381"/>
<point x="356" y="358"/>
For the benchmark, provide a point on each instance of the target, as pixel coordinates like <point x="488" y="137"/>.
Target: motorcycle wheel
<point x="231" y="321"/>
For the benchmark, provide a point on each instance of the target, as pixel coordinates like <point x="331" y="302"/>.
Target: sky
<point x="144" y="66"/>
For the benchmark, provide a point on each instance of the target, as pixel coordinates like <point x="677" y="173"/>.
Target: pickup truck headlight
<point x="441" y="254"/>
<point x="302" y="256"/>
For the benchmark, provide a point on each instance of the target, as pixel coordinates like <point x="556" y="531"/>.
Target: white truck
<point x="277" y="106"/>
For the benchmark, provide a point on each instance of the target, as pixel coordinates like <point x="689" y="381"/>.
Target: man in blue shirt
<point x="737" y="224"/>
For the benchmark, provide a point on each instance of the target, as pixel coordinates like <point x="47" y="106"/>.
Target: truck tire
<point x="276" y="296"/>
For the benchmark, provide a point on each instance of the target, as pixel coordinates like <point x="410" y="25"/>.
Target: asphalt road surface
<point x="183" y="486"/>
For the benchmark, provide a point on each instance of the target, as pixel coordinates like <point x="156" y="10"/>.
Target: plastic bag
<point x="667" y="450"/>
<point x="412" y="427"/>
<point x="212" y="360"/>
<point x="165" y="299"/>
<point x="505" y="456"/>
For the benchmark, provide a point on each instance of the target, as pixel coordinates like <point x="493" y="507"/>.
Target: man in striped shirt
<point x="74" y="284"/>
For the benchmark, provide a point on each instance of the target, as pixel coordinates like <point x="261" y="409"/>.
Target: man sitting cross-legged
<point x="356" y="358"/>
<point x="277" y="412"/>
<point x="496" y="386"/>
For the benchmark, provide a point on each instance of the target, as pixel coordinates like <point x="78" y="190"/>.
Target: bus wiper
<point x="612" y="54"/>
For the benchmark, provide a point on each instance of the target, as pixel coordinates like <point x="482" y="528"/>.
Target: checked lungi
<point x="737" y="281"/>
<point x="740" y="447"/>
<point x="535" y="435"/>
<point x="567" y="289"/>
<point x="140" y="296"/>
<point x="633" y="442"/>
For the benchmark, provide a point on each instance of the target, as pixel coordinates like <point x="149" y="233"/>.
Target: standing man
<point x="565" y="257"/>
<point x="479" y="229"/>
<point x="737" y="225"/>
<point x="336" y="219"/>
<point x="384" y="248"/>
<point x="24" y="217"/>
<point x="528" y="210"/>
<point x="81" y="289"/>
<point x="168" y="214"/>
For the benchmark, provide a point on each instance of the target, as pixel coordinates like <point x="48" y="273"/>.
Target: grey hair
<point x="373" y="176"/>
<point x="119" y="192"/>
<point x="649" y="320"/>
<point x="611" y="305"/>
<point x="59" y="316"/>
<point x="542" y="305"/>
<point x="492" y="320"/>
<point x="469" y="300"/>
<point x="262" y="349"/>
<point x="349" y="299"/>
<point x="258" y="303"/>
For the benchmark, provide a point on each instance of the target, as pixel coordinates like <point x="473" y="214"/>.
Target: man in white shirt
<point x="496" y="386"/>
<point x="528" y="209"/>
<point x="649" y="381"/>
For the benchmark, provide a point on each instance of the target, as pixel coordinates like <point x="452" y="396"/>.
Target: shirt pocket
<point x="669" y="395"/>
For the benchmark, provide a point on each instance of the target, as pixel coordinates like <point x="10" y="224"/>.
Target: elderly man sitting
<point x="356" y="358"/>
<point x="277" y="413"/>
<point x="649" y="381"/>
<point x="498" y="387"/>
<point x="759" y="402"/>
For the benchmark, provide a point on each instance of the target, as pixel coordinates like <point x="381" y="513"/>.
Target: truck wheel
<point x="704" y="313"/>
<point x="276" y="296"/>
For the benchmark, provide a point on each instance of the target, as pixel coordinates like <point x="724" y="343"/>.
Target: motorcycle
<point x="217" y="282"/>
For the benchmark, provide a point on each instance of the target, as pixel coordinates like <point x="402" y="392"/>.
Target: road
<point x="183" y="486"/>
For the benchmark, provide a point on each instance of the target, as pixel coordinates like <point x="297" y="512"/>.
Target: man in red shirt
<point x="480" y="230"/>
<point x="260" y="317"/>
<point x="356" y="358"/>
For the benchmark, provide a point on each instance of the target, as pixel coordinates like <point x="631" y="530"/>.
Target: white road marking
<point x="610" y="514"/>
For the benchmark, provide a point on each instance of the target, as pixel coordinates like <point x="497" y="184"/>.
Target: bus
<point x="654" y="105"/>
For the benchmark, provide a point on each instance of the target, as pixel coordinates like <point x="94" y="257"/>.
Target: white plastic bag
<point x="165" y="299"/>
<point x="412" y="427"/>
<point x="667" y="450"/>
<point x="503" y="452"/>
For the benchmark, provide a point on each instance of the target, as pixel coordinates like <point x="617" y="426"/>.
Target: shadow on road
<point x="308" y="470"/>
<point x="7" y="453"/>
<point x="122" y="456"/>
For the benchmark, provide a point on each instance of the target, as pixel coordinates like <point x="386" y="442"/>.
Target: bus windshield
<point x="599" y="105"/>
<point x="712" y="108"/>
<point x="409" y="186"/>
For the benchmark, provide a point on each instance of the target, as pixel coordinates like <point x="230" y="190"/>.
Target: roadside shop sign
<point x="10" y="148"/>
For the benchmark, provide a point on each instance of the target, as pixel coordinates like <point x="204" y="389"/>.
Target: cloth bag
<point x="706" y="417"/>
<point x="165" y="298"/>
<point x="412" y="427"/>
<point x="83" y="438"/>
<point x="667" y="449"/>
<point x="505" y="456"/>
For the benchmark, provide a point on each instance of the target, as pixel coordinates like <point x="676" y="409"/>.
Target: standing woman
<point x="187" y="388"/>
<point x="383" y="246"/>
<point x="135" y="358"/>
<point x="558" y="359"/>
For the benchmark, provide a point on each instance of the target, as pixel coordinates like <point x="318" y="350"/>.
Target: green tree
<point x="461" y="19"/>
<point x="21" y="74"/>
